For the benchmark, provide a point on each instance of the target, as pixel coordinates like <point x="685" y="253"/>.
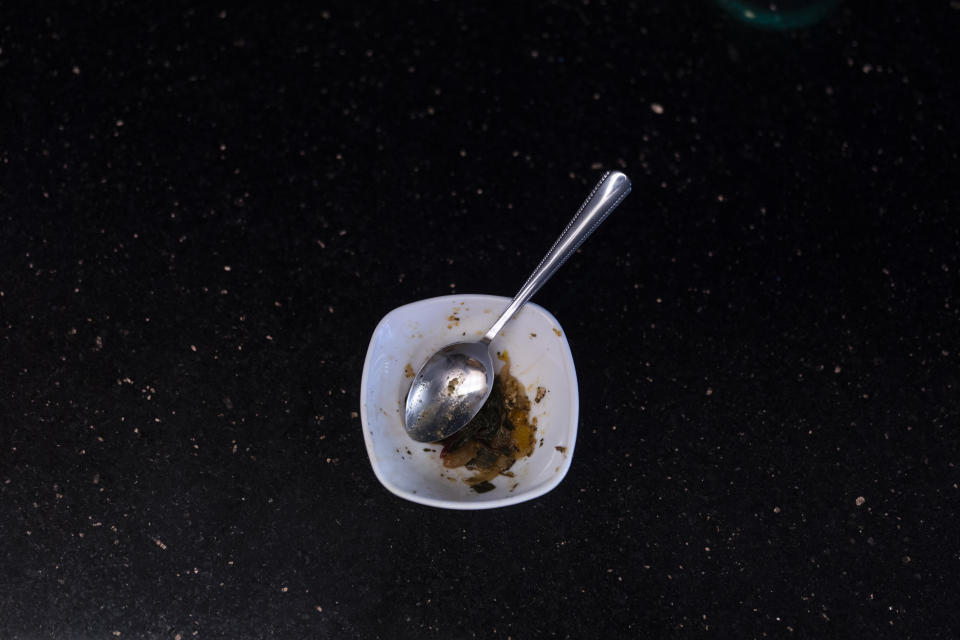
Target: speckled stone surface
<point x="205" y="213"/>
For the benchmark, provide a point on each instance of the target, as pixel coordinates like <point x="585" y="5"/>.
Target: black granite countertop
<point x="206" y="212"/>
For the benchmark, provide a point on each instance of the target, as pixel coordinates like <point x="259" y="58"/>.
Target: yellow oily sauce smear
<point x="519" y="415"/>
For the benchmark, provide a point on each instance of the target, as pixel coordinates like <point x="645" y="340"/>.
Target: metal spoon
<point x="455" y="382"/>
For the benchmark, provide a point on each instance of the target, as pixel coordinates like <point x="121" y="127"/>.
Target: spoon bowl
<point x="449" y="389"/>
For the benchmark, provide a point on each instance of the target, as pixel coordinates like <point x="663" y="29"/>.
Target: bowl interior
<point x="539" y="356"/>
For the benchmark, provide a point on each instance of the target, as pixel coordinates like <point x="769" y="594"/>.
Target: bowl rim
<point x="523" y="496"/>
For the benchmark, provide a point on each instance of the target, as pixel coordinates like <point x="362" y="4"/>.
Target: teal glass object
<point x="779" y="16"/>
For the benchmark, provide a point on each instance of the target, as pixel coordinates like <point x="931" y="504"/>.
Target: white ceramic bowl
<point x="539" y="356"/>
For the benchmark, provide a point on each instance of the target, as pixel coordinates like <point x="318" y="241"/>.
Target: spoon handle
<point x="609" y="192"/>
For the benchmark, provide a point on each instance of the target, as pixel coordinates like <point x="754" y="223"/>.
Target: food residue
<point x="408" y="371"/>
<point x="497" y="437"/>
<point x="483" y="487"/>
<point x="452" y="385"/>
<point x="557" y="331"/>
<point x="541" y="391"/>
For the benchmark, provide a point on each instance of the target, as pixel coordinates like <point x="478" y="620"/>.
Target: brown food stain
<point x="541" y="391"/>
<point x="453" y="319"/>
<point x="501" y="434"/>
<point x="408" y="371"/>
<point x="452" y="385"/>
<point x="557" y="331"/>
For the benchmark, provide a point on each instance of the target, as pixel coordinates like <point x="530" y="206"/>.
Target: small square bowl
<point x="539" y="357"/>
